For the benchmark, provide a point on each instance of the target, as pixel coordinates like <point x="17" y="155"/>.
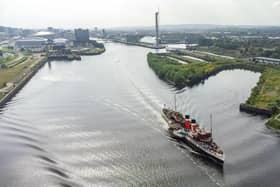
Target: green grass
<point x="221" y="51"/>
<point x="172" y="71"/>
<point x="273" y="123"/>
<point x="16" y="62"/>
<point x="9" y="74"/>
<point x="267" y="92"/>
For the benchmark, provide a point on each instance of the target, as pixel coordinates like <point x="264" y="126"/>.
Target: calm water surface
<point x="97" y="122"/>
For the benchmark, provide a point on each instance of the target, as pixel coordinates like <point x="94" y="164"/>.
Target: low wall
<point x="254" y="110"/>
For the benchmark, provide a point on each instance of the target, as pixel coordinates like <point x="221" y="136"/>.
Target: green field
<point x="10" y="74"/>
<point x="274" y="122"/>
<point x="266" y="95"/>
<point x="267" y="92"/>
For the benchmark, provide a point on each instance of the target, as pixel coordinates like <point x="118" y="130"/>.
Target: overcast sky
<point x="114" y="13"/>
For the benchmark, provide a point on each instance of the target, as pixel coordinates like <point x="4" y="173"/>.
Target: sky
<point x="122" y="13"/>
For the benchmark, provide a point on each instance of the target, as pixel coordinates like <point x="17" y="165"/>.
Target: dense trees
<point x="246" y="47"/>
<point x="180" y="74"/>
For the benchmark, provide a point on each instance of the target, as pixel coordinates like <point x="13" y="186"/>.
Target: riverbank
<point x="266" y="95"/>
<point x="63" y="57"/>
<point x="18" y="76"/>
<point x="264" y="98"/>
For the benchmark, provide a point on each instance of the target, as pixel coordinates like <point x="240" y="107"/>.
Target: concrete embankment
<point x="64" y="57"/>
<point x="91" y="53"/>
<point x="254" y="110"/>
<point x="23" y="82"/>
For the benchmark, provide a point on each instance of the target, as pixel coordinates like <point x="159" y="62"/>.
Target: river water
<point x="97" y="122"/>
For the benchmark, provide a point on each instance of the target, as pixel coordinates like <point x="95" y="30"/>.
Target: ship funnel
<point x="187" y="122"/>
<point x="194" y="125"/>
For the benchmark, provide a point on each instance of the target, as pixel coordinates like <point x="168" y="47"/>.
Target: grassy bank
<point x="16" y="72"/>
<point x="267" y="92"/>
<point x="193" y="73"/>
<point x="266" y="95"/>
<point x="274" y="122"/>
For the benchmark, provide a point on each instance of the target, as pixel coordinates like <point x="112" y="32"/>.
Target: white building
<point x="31" y="43"/>
<point x="45" y="34"/>
<point x="266" y="60"/>
<point x="60" y="42"/>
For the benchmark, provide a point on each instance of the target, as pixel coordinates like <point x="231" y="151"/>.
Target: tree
<point x="179" y="78"/>
<point x="205" y="42"/>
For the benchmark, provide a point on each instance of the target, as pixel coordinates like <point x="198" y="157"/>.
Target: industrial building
<point x="60" y="43"/>
<point x="81" y="35"/>
<point x="266" y="60"/>
<point x="30" y="43"/>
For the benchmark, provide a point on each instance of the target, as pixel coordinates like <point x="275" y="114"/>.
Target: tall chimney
<point x="157" y="34"/>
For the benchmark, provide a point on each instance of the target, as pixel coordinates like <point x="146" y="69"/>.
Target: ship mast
<point x="211" y="124"/>
<point x="175" y="107"/>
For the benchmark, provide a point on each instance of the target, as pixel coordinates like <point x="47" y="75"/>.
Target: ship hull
<point x="201" y="151"/>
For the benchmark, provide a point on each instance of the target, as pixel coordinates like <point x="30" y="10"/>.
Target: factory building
<point x="60" y="43"/>
<point x="266" y="60"/>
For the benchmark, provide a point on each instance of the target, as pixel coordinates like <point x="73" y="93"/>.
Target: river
<point x="96" y="122"/>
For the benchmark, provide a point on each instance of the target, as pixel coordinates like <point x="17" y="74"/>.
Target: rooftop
<point x="268" y="59"/>
<point x="44" y="33"/>
<point x="33" y="39"/>
<point x="60" y="40"/>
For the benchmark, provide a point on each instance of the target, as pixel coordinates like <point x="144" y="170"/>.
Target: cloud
<point x="276" y="4"/>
